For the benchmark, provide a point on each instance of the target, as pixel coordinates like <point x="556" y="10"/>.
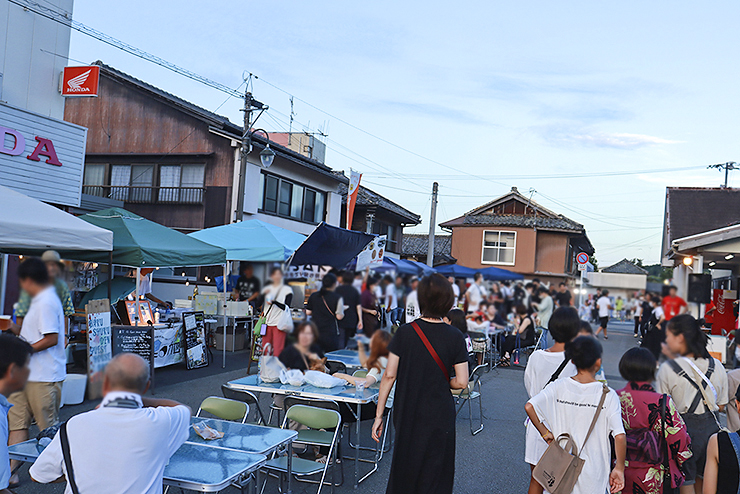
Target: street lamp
<point x="267" y="155"/>
<point x="688" y="261"/>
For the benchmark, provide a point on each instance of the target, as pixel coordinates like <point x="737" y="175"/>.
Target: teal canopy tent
<point x="140" y="243"/>
<point x="252" y="240"/>
<point x="121" y="288"/>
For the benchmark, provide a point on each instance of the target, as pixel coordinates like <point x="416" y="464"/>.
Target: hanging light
<point x="688" y="261"/>
<point x="729" y="256"/>
<point x="712" y="263"/>
<point x="267" y="156"/>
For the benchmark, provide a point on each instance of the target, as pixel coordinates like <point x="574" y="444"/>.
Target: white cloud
<point x="618" y="140"/>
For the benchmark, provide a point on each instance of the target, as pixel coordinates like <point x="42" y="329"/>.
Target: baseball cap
<point x="51" y="256"/>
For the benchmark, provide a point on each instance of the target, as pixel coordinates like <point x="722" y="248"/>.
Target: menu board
<point x="99" y="349"/>
<point x="134" y="339"/>
<point x="194" y="339"/>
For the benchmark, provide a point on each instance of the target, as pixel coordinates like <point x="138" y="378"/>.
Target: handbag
<point x="285" y="321"/>
<point x="431" y="350"/>
<point x="559" y="468"/>
<point x="336" y="324"/>
<point x="667" y="477"/>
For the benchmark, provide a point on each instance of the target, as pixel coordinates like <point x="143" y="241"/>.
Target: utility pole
<point x="432" y="226"/>
<point x="730" y="165"/>
<point x="246" y="147"/>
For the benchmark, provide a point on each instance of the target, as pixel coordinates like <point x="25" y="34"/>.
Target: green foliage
<point x="657" y="273"/>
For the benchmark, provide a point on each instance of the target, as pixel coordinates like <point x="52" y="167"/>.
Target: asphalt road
<point x="491" y="461"/>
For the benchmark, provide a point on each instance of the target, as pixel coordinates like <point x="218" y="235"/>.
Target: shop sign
<point x="80" y="81"/>
<point x="41" y="157"/>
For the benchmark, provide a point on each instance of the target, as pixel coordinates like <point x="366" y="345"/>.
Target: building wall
<point x="126" y="121"/>
<point x="467" y="247"/>
<point x="613" y="281"/>
<point x="30" y="64"/>
<point x="552" y="249"/>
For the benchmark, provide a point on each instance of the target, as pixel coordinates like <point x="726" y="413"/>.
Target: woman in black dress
<point x="424" y="410"/>
<point x="326" y="309"/>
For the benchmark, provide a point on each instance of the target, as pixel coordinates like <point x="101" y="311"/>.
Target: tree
<point x="637" y="262"/>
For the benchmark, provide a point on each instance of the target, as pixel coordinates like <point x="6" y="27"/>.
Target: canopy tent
<point x="497" y="274"/>
<point x="456" y="270"/>
<point x="400" y="266"/>
<point x="140" y="243"/>
<point x="330" y="246"/>
<point x="120" y="288"/>
<point x="425" y="269"/>
<point x="252" y="240"/>
<point x="28" y="226"/>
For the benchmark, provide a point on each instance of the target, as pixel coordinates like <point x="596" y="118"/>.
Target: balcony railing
<point x="148" y="195"/>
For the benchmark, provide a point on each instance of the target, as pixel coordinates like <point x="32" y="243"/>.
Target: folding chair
<point x="360" y="373"/>
<point x="246" y="397"/>
<point x="472" y="392"/>
<point x="224" y="409"/>
<point x="319" y="422"/>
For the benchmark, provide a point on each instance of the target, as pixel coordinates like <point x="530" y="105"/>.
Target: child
<point x="587" y="330"/>
<point x="569" y="405"/>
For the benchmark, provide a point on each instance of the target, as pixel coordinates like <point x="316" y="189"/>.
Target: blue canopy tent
<point x="498" y="274"/>
<point x="252" y="240"/>
<point x="330" y="246"/>
<point x="456" y="270"/>
<point x="400" y="266"/>
<point x="425" y="270"/>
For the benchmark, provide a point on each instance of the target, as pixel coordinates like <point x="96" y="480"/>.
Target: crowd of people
<point x="659" y="433"/>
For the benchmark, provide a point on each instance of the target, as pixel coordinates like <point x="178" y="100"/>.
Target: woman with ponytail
<point x="697" y="383"/>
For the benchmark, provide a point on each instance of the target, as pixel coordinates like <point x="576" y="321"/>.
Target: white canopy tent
<point x="29" y="226"/>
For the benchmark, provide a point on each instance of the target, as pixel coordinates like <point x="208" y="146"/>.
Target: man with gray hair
<point x="124" y="445"/>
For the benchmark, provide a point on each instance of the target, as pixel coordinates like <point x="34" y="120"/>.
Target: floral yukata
<point x="641" y="413"/>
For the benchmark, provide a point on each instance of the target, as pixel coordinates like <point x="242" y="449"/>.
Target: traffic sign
<point x="582" y="258"/>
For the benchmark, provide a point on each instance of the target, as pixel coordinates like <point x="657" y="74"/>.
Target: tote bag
<point x="559" y="468"/>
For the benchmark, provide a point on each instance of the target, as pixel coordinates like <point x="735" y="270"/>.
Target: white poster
<point x="98" y="330"/>
<point x="372" y="254"/>
<point x="168" y="347"/>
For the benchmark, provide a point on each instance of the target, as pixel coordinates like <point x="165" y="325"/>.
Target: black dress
<point x="424" y="410"/>
<point x="323" y="306"/>
<point x="292" y="359"/>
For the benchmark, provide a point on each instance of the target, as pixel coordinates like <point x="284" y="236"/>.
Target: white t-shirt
<point x="567" y="406"/>
<point x="117" y="450"/>
<point x="413" y="311"/>
<point x="477" y="292"/>
<point x="46" y="316"/>
<point x="603" y="305"/>
<point x="658" y="312"/>
<point x="391" y="296"/>
<point x="456" y="291"/>
<point x="145" y="284"/>
<point x="541" y="365"/>
<point x="275" y="293"/>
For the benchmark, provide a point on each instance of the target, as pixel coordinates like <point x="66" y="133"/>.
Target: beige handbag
<point x="559" y="468"/>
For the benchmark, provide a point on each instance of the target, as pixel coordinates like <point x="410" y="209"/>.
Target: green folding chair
<point x="245" y="396"/>
<point x="472" y="392"/>
<point x="319" y="422"/>
<point x="225" y="409"/>
<point x="360" y="373"/>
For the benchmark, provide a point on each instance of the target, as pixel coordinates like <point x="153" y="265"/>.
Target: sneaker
<point x="635" y="335"/>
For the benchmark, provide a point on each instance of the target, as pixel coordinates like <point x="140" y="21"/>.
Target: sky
<point x="592" y="108"/>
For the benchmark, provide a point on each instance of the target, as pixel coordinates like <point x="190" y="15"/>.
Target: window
<point x="181" y="183"/>
<point x="380" y="228"/>
<point x="288" y="199"/>
<point x="146" y="183"/>
<point x="499" y="247"/>
<point x="142" y="179"/>
<point x="94" y="180"/>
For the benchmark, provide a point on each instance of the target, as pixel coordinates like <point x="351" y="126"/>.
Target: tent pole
<point x="226" y="274"/>
<point x="3" y="280"/>
<point x="110" y="275"/>
<point x="138" y="281"/>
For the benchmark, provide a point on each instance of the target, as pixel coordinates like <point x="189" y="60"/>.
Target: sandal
<point x="504" y="362"/>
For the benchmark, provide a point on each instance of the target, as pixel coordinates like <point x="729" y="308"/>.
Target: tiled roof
<point x="692" y="210"/>
<point x="215" y="119"/>
<point x="625" y="267"/>
<point x="559" y="223"/>
<point x="366" y="197"/>
<point x="417" y="245"/>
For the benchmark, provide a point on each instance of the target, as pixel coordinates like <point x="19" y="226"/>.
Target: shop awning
<point x="252" y="240"/>
<point x="29" y="226"/>
<point x="330" y="246"/>
<point x="140" y="243"/>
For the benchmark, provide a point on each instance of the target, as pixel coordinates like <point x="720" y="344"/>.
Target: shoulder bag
<point x="557" y="373"/>
<point x="336" y="324"/>
<point x="431" y="350"/>
<point x="67" y="458"/>
<point x="559" y="468"/>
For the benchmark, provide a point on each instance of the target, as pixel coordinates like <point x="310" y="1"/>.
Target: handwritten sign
<point x="194" y="340"/>
<point x="133" y="339"/>
<point x="372" y="255"/>
<point x="99" y="345"/>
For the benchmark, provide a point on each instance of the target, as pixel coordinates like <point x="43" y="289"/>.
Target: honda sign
<point x="80" y="81"/>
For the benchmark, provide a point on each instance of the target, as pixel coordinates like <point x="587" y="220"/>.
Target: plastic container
<point x="73" y="389"/>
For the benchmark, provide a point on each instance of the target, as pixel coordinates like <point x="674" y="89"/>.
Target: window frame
<point x="319" y="196"/>
<point x="498" y="248"/>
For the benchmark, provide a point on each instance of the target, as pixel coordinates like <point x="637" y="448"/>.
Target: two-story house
<point x="516" y="233"/>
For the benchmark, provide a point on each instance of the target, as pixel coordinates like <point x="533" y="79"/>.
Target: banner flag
<point x="354" y="186"/>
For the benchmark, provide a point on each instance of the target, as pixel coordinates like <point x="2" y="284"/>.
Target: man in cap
<point x="55" y="268"/>
<point x="124" y="445"/>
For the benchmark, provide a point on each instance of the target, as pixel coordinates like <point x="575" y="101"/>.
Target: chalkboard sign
<point x="194" y="339"/>
<point x="133" y="339"/>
